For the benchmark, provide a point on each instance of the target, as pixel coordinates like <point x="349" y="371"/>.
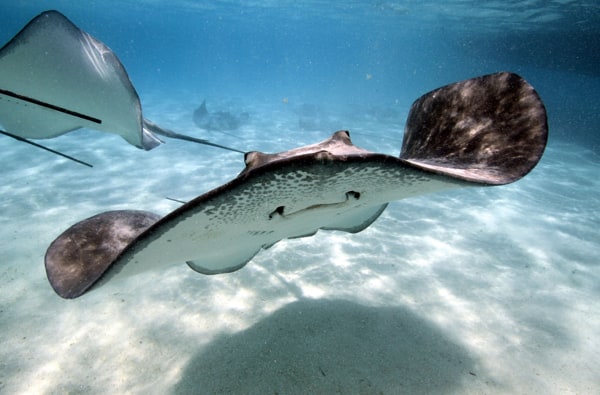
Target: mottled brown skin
<point x="494" y="126"/>
<point x="489" y="130"/>
<point x="79" y="257"/>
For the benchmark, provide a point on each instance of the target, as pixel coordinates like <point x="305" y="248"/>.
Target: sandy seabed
<point x="479" y="290"/>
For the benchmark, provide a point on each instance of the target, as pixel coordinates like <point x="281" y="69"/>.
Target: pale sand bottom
<point x="486" y="290"/>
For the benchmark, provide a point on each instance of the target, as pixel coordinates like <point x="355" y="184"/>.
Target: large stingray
<point x="55" y="78"/>
<point x="489" y="130"/>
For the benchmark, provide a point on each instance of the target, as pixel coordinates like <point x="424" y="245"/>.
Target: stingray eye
<point x="352" y="195"/>
<point x="248" y="157"/>
<point x="277" y="211"/>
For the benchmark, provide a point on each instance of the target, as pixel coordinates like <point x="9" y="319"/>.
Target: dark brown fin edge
<point x="77" y="258"/>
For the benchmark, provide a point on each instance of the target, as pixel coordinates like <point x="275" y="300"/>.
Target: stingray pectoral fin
<point x="85" y="251"/>
<point x="491" y="129"/>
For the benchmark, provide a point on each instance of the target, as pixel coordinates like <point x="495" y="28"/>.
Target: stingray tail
<point x="491" y="129"/>
<point x="155" y="129"/>
<point x="24" y="140"/>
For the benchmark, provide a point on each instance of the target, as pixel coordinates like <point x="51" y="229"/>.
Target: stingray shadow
<point x="332" y="346"/>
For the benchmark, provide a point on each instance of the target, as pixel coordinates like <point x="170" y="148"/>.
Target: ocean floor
<point x="479" y="290"/>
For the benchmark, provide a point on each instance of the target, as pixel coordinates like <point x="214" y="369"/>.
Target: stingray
<point x="313" y="118"/>
<point x="220" y="121"/>
<point x="490" y="130"/>
<point x="56" y="78"/>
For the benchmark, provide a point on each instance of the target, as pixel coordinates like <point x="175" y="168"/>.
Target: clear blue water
<point x="321" y="52"/>
<point x="477" y="291"/>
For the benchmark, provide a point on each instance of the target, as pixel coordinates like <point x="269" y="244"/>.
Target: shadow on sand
<point x="330" y="346"/>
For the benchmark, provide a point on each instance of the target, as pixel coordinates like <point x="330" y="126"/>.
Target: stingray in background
<point x="490" y="130"/>
<point x="220" y="121"/>
<point x="313" y="118"/>
<point x="56" y="78"/>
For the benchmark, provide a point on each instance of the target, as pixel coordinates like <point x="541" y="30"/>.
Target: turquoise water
<point x="488" y="290"/>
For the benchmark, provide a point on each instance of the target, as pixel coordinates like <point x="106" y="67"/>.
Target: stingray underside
<point x="331" y="185"/>
<point x="55" y="78"/>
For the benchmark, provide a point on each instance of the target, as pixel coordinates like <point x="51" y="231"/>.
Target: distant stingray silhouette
<point x="221" y="121"/>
